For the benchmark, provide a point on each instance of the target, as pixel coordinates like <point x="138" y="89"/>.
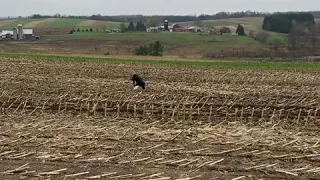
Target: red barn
<point x="179" y="28"/>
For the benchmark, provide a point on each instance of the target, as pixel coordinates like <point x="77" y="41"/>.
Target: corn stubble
<point x="190" y="123"/>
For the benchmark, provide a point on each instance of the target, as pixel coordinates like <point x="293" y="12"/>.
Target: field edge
<point x="264" y="64"/>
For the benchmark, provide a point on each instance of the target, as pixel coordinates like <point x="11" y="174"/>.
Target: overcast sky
<point x="149" y="7"/>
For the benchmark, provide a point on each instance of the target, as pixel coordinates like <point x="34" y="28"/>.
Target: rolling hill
<point x="250" y="24"/>
<point x="56" y="23"/>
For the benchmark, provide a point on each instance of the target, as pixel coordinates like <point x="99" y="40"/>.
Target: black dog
<point x="138" y="81"/>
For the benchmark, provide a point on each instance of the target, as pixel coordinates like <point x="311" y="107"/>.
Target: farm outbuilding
<point x="194" y="29"/>
<point x="116" y="30"/>
<point x="28" y="33"/>
<point x="10" y="34"/>
<point x="179" y="28"/>
<point x="153" y="29"/>
<point x="7" y="34"/>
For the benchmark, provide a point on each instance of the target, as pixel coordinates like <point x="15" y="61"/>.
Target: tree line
<point x="140" y="26"/>
<point x="170" y="18"/>
<point x="304" y="37"/>
<point x="283" y="22"/>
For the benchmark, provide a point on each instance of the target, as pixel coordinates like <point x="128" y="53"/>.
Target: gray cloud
<point x="149" y="7"/>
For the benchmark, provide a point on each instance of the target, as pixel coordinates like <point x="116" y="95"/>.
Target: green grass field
<point x="168" y="38"/>
<point x="111" y="25"/>
<point x="205" y="43"/>
<point x="254" y="23"/>
<point x="19" y="21"/>
<point x="65" y="23"/>
<point x="196" y="63"/>
<point x="100" y="27"/>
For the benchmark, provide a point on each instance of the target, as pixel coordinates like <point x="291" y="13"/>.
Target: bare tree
<point x="262" y="37"/>
<point x="251" y="33"/>
<point x="312" y="37"/>
<point x="153" y="22"/>
<point x="123" y="27"/>
<point x="296" y="36"/>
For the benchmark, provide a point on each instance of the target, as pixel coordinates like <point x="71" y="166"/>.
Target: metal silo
<point x="15" y="34"/>
<point x="166" y="25"/>
<point x="20" y="31"/>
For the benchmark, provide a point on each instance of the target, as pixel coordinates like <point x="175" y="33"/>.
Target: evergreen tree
<point x="131" y="27"/>
<point x="157" y="49"/>
<point x="140" y="27"/>
<point x="240" y="30"/>
<point x="282" y="22"/>
<point x="143" y="27"/>
<point x="154" y="49"/>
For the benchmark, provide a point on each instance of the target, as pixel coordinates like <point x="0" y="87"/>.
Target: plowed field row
<point x="82" y="120"/>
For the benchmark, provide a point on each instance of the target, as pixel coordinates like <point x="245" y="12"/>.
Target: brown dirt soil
<point x="5" y="22"/>
<point x="38" y="24"/>
<point x="52" y="31"/>
<point x="93" y="23"/>
<point x="41" y="28"/>
<point x="81" y="120"/>
<point x="44" y="23"/>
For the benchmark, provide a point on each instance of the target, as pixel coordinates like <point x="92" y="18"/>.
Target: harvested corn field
<point x="82" y="120"/>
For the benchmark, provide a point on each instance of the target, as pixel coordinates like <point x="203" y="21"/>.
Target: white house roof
<point x="27" y="31"/>
<point x="194" y="27"/>
<point x="6" y="32"/>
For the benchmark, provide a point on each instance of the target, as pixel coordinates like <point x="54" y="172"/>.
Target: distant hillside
<point x="56" y="23"/>
<point x="171" y="18"/>
<point x="249" y="23"/>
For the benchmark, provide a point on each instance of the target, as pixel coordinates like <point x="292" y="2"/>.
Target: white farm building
<point x="17" y="33"/>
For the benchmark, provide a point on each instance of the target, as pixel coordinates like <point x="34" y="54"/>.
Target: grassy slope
<point x="19" y="21"/>
<point x="210" y="43"/>
<point x="221" y="64"/>
<point x="78" y="24"/>
<point x="254" y="23"/>
<point x="250" y="24"/>
<point x="65" y="23"/>
<point x="170" y="38"/>
<point x="99" y="25"/>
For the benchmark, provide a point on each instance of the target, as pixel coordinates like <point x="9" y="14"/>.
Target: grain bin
<point x="15" y="34"/>
<point x="166" y="25"/>
<point x="20" y="31"/>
